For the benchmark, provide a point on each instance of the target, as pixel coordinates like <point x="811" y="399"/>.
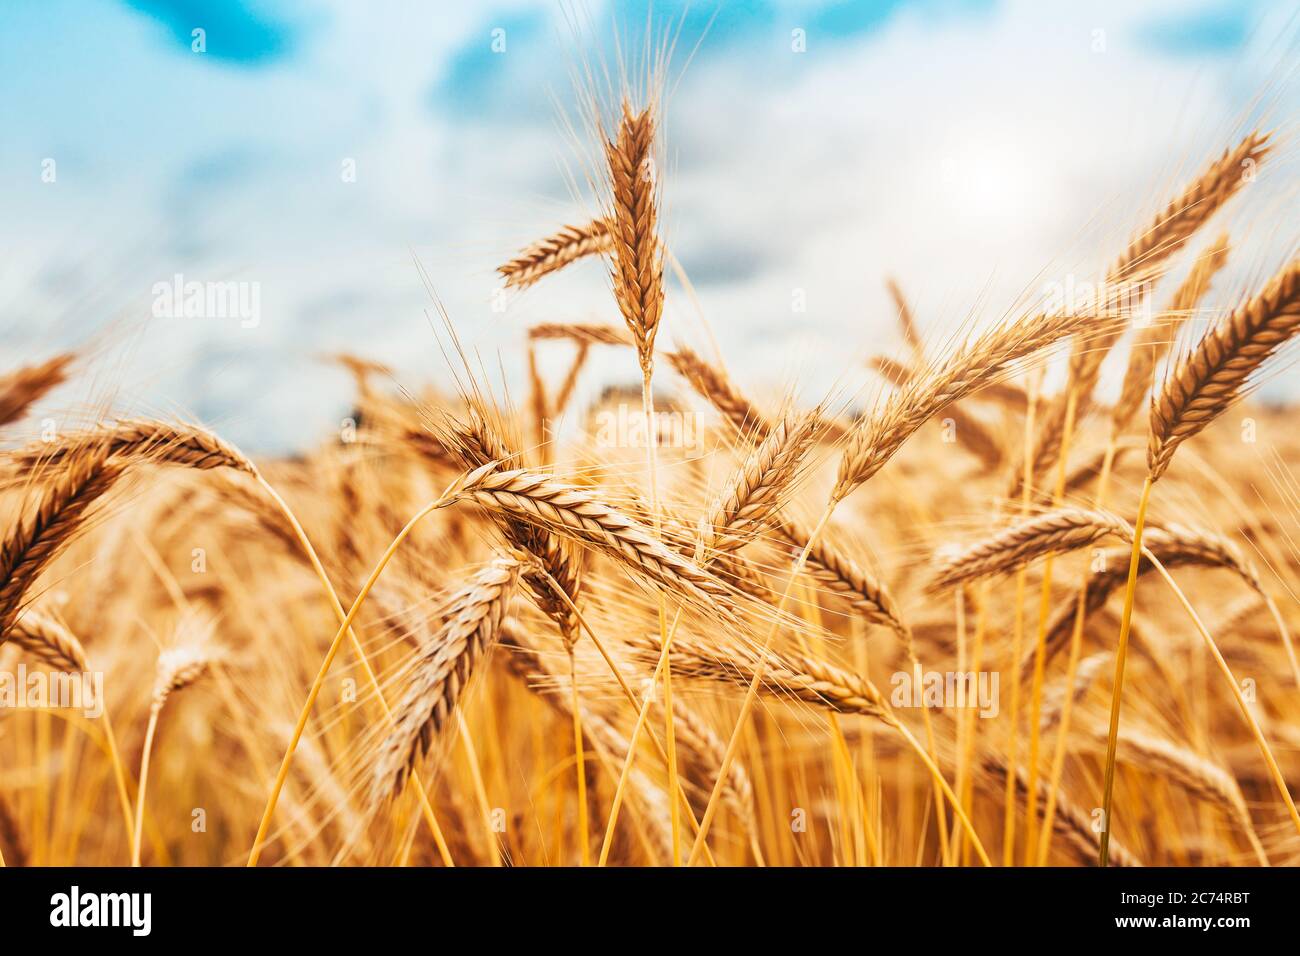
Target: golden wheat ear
<point x="1186" y="213"/>
<point x="476" y="443"/>
<point x="791" y="676"/>
<point x="714" y="385"/>
<point x="1066" y="529"/>
<point x="581" y="516"/>
<point x="21" y="388"/>
<point x="142" y="441"/>
<point x="49" y="640"/>
<point x="1138" y="265"/>
<point x="1174" y="546"/>
<point x="59" y="514"/>
<point x="1216" y="372"/>
<point x="638" y="267"/>
<point x="550" y="255"/>
<point x="583" y="334"/>
<point x="988" y="356"/>
<point x="1070" y="823"/>
<point x="750" y="502"/>
<point x="1152" y="342"/>
<point x="471" y="628"/>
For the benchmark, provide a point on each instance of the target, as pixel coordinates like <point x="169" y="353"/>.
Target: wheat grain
<point x="476" y="444"/>
<point x="179" y="666"/>
<point x="712" y="383"/>
<point x="786" y="675"/>
<point x="582" y="334"/>
<point x="1186" y="213"/>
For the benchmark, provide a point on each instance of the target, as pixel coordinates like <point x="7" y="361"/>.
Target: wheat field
<point x="985" y="614"/>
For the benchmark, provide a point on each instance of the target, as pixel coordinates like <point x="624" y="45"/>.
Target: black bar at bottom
<point x="337" y="906"/>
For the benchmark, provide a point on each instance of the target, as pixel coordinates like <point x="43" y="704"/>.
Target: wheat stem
<point x="580" y="765"/>
<point x="1257" y="732"/>
<point x="144" y="781"/>
<point x="1072" y="666"/>
<point x="1121" y="655"/>
<point x="335" y="645"/>
<point x="637" y="705"/>
<point x="426" y="807"/>
<point x="1040" y="646"/>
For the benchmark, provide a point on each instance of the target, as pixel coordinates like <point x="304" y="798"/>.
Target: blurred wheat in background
<point x="958" y="619"/>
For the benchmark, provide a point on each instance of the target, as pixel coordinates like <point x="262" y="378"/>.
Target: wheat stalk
<point x="1055" y="695"/>
<point x="605" y="739"/>
<point x="21" y="388"/>
<point x="59" y="514"/>
<point x="142" y="440"/>
<point x="475" y="443"/>
<point x="1065" y="529"/>
<point x="1070" y="823"/>
<point x="834" y="570"/>
<point x="748" y="506"/>
<point x="49" y="640"/>
<point x="470" y="629"/>
<point x="906" y="320"/>
<point x="990" y="355"/>
<point x="556" y="251"/>
<point x="570" y="383"/>
<point x="178" y="667"/>
<point x="1154" y="341"/>
<point x="1213" y="375"/>
<point x="801" y="677"/>
<point x="745" y="507"/>
<point x="1196" y="774"/>
<point x="638" y="267"/>
<point x="13" y="848"/>
<point x="1175" y="546"/>
<point x="581" y="516"/>
<point x="704" y="753"/>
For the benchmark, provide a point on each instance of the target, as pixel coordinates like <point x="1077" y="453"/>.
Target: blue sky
<point x="968" y="147"/>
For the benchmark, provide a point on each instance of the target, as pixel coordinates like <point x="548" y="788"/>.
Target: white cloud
<point x="971" y="156"/>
